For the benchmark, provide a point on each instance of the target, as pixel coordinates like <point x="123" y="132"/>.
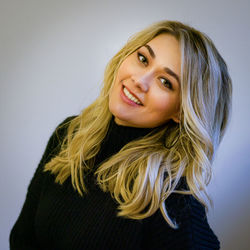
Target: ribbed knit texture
<point x="56" y="217"/>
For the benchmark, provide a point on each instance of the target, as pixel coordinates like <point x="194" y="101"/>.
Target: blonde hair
<point x="143" y="174"/>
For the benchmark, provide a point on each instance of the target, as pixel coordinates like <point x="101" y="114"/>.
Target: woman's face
<point x="146" y="91"/>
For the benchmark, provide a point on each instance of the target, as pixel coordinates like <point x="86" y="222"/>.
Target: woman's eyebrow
<point x="170" y="72"/>
<point x="167" y="70"/>
<point x="151" y="52"/>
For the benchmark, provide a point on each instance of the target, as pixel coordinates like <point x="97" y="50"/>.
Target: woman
<point x="130" y="172"/>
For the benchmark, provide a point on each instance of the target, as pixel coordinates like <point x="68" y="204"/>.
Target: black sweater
<point x="56" y="217"/>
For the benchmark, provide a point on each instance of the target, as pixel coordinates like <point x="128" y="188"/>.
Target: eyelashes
<point x="164" y="81"/>
<point x="142" y="58"/>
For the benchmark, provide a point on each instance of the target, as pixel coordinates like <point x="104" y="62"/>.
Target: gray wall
<point x="52" y="57"/>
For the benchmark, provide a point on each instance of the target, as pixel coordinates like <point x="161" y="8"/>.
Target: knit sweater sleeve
<point x="193" y="232"/>
<point x="22" y="235"/>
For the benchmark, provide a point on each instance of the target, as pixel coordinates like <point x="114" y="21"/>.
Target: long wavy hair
<point x="143" y="174"/>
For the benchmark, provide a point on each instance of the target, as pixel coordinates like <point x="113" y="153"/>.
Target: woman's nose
<point x="142" y="81"/>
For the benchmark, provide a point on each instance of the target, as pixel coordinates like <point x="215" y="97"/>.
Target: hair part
<point x="144" y="173"/>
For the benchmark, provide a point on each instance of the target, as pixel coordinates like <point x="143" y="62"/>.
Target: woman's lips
<point x="134" y="95"/>
<point x="130" y="98"/>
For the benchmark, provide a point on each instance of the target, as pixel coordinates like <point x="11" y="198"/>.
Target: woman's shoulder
<point x="60" y="132"/>
<point x="193" y="231"/>
<point x="61" y="129"/>
<point x="55" y="141"/>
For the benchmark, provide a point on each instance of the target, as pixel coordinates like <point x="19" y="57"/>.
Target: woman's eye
<point x="142" y="58"/>
<point x="166" y="83"/>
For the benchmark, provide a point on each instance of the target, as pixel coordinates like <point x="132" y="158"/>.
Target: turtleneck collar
<point x="126" y="133"/>
<point x="117" y="137"/>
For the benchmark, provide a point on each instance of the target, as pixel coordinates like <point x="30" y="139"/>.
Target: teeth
<point x="131" y="97"/>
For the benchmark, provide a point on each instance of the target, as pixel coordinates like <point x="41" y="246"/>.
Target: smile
<point x="131" y="97"/>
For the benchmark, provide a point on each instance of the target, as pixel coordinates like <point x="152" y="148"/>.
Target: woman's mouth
<point x="130" y="96"/>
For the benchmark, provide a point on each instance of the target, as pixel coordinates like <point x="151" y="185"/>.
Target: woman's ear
<point x="177" y="120"/>
<point x="176" y="117"/>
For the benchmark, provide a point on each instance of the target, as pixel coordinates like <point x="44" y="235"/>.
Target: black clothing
<point x="55" y="216"/>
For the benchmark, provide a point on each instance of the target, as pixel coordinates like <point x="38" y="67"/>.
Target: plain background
<point x="52" y="57"/>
